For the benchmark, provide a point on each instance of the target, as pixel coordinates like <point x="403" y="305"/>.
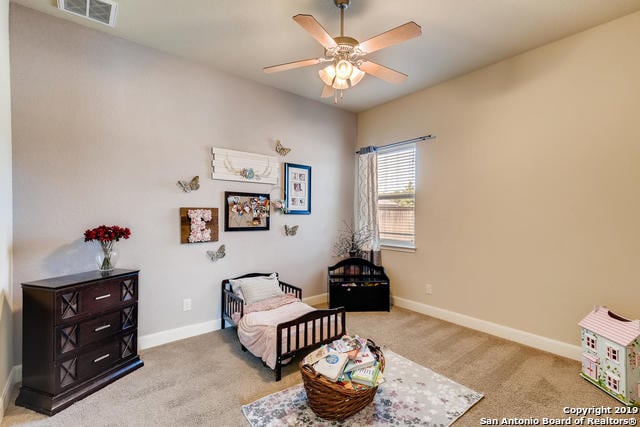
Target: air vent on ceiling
<point x="103" y="11"/>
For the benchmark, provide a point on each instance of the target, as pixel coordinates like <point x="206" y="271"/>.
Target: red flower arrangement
<point x="106" y="236"/>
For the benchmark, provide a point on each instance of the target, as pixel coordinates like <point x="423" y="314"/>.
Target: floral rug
<point x="410" y="395"/>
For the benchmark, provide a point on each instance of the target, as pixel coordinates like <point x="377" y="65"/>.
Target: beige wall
<point x="6" y="328"/>
<point x="103" y="129"/>
<point x="528" y="201"/>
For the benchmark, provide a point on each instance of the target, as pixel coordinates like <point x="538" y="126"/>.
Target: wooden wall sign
<point x="198" y="225"/>
<point x="232" y="165"/>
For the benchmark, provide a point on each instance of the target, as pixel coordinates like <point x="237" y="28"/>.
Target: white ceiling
<point x="242" y="36"/>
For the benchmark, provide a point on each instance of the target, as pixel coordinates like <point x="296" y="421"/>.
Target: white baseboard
<point x="15" y="376"/>
<point x="170" y="335"/>
<point x="316" y="299"/>
<point x="536" y="341"/>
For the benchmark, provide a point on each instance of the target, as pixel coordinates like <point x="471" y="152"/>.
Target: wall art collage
<point x="245" y="211"/>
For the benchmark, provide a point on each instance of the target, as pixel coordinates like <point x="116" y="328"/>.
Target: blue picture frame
<point x="297" y="189"/>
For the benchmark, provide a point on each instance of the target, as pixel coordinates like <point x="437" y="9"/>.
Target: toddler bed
<point x="272" y="321"/>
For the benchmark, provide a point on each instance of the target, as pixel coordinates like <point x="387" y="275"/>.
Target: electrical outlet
<point x="186" y="304"/>
<point x="428" y="289"/>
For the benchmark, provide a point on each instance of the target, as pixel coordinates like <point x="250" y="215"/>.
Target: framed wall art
<point x="198" y="225"/>
<point x="246" y="211"/>
<point x="297" y="188"/>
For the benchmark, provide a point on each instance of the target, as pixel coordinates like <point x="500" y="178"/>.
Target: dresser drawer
<point x="100" y="296"/>
<point x="77" y="335"/>
<point x="88" y="364"/>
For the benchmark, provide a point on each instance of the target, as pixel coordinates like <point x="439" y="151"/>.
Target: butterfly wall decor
<point x="290" y="231"/>
<point x="192" y="185"/>
<point x="216" y="255"/>
<point x="281" y="149"/>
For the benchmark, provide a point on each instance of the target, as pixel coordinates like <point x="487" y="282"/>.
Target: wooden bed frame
<point x="312" y="323"/>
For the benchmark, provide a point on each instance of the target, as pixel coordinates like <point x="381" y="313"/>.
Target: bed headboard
<point x="286" y="287"/>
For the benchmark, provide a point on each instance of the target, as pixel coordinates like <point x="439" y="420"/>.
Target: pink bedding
<point x="257" y="328"/>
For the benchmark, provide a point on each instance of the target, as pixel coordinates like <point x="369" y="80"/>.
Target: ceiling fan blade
<point x="291" y="65"/>
<point x="394" y="36"/>
<point x="384" y="73"/>
<point x="327" y="91"/>
<point x="316" y="30"/>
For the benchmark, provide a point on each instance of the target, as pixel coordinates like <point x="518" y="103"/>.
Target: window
<point x="397" y="196"/>
<point x="634" y="360"/>
<point x="612" y="354"/>
<point x="590" y="340"/>
<point x="613" y="382"/>
<point x="590" y="365"/>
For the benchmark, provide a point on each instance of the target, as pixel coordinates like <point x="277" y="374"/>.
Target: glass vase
<point x="107" y="255"/>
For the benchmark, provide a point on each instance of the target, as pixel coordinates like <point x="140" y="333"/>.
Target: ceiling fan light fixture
<point x="356" y="76"/>
<point x="344" y="69"/>
<point x="340" y="83"/>
<point x="327" y="74"/>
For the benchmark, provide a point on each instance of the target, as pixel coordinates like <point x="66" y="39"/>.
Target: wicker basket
<point x="333" y="401"/>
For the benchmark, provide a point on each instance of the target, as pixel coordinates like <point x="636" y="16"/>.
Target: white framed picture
<point x="297" y="188"/>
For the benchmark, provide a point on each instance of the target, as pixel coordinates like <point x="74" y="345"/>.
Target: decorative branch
<point x="351" y="241"/>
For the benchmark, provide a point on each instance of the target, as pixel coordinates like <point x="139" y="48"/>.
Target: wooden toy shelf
<point x="358" y="285"/>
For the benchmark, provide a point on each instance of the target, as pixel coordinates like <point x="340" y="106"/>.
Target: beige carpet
<point x="204" y="380"/>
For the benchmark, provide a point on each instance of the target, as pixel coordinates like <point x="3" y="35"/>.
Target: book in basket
<point x="363" y="359"/>
<point x="315" y="355"/>
<point x="346" y="344"/>
<point x="366" y="376"/>
<point x="331" y="366"/>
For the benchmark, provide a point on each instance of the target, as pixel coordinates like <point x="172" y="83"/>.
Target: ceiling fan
<point x="347" y="55"/>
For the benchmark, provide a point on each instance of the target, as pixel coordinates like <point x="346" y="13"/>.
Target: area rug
<point x="410" y="395"/>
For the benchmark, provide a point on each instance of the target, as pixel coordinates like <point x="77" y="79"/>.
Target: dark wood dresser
<point x="79" y="334"/>
<point x="358" y="285"/>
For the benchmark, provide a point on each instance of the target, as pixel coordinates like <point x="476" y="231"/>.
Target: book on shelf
<point x="366" y="376"/>
<point x="331" y="366"/>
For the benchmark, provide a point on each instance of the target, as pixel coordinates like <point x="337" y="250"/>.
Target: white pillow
<point x="259" y="288"/>
<point x="235" y="283"/>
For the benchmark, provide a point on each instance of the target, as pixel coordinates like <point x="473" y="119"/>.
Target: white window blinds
<point x="397" y="195"/>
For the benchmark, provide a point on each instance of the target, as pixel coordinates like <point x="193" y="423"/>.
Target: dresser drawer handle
<point x="102" y="297"/>
<point x="101" y="358"/>
<point x="101" y="328"/>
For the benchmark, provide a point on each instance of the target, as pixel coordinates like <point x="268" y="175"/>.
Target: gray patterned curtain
<point x="367" y="201"/>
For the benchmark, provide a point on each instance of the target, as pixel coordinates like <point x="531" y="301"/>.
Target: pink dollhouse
<point x="611" y="354"/>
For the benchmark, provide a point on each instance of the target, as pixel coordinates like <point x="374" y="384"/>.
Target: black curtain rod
<point x="406" y="141"/>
